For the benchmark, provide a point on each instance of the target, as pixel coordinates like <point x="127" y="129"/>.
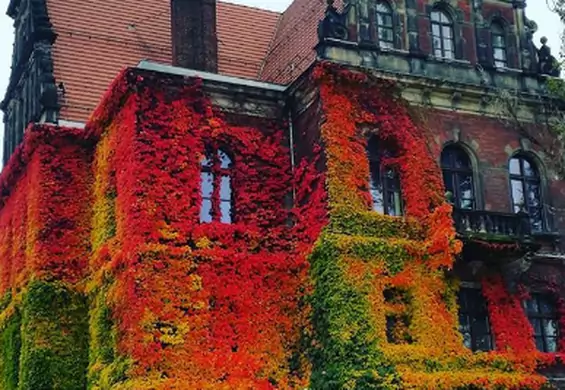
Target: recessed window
<point x="525" y="186"/>
<point x="442" y="35"/>
<point x="384" y="180"/>
<point x="474" y="323"/>
<point x="385" y="28"/>
<point x="458" y="177"/>
<point x="542" y="313"/>
<point x="499" y="46"/>
<point x="216" y="187"/>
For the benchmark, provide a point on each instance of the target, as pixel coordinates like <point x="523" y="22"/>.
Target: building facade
<point x="347" y="195"/>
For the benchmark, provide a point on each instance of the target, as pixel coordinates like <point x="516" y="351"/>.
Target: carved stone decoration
<point x="31" y="95"/>
<point x="512" y="271"/>
<point x="547" y="64"/>
<point x="333" y="25"/>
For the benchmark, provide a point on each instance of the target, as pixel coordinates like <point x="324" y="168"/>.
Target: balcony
<point x="492" y="226"/>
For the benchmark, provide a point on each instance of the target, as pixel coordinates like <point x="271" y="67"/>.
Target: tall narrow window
<point x="384" y="180"/>
<point x="498" y="46"/>
<point x="216" y="187"/>
<point x="384" y="25"/>
<point x="526" y="190"/>
<point x="442" y="35"/>
<point x="473" y="320"/>
<point x="458" y="177"/>
<point x="542" y="314"/>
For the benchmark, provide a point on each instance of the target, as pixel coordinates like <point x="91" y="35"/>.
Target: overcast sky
<point x="549" y="25"/>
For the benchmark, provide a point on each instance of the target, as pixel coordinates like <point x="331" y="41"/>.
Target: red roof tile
<point x="292" y="50"/>
<point x="97" y="38"/>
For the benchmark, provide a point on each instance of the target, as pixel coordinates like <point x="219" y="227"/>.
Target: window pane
<point x="533" y="194"/>
<point x="225" y="160"/>
<point x="381" y="7"/>
<point x="500" y="64"/>
<point x="539" y="344"/>
<point x="536" y="324"/>
<point x="206" y="162"/>
<point x="387" y="44"/>
<point x="515" y="166"/>
<point x="444" y="18"/>
<point x="499" y="54"/>
<point x="447" y="45"/>
<point x="378" y="196"/>
<point x="551" y="344"/>
<point x="436" y="30"/>
<point x="207" y="184"/>
<point x="225" y="188"/>
<point x="550" y="328"/>
<point x="447" y="32"/>
<point x="206" y="211"/>
<point x="546" y="307"/>
<point x="483" y="343"/>
<point x="436" y="16"/>
<point x="518" y="195"/>
<point x="529" y="169"/>
<point x="498" y="41"/>
<point x="225" y="210"/>
<point x="532" y="306"/>
<point x="449" y="54"/>
<point x="466" y="186"/>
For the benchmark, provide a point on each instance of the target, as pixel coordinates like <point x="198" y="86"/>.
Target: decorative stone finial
<point x="543" y="40"/>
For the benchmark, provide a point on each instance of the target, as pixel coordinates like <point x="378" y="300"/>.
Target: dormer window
<point x="385" y="29"/>
<point x="384" y="179"/>
<point x="499" y="46"/>
<point x="442" y="35"/>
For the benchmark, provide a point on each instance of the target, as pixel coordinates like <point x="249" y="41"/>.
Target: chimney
<point x="193" y="33"/>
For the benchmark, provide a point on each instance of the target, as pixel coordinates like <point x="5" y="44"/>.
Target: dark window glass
<point x="499" y="46"/>
<point x="542" y="314"/>
<point x="216" y="187"/>
<point x="458" y="177"/>
<point x="442" y="35"/>
<point x="385" y="29"/>
<point x="525" y="185"/>
<point x="473" y="320"/>
<point x="384" y="180"/>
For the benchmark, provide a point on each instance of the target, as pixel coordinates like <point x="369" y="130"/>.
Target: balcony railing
<point x="489" y="223"/>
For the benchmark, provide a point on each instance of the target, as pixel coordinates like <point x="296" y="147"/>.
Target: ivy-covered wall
<point x="109" y="280"/>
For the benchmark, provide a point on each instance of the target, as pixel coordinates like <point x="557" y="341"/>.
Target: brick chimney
<point x="193" y="32"/>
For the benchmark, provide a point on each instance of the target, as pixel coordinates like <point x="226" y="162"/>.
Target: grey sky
<point x="549" y="25"/>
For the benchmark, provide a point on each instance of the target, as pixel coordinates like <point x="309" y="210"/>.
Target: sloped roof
<point x="292" y="49"/>
<point x="97" y="39"/>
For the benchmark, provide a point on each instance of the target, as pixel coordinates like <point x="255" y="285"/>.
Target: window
<point x="542" y="313"/>
<point x="473" y="320"/>
<point x="384" y="180"/>
<point x="442" y="35"/>
<point x="525" y="186"/>
<point x="498" y="46"/>
<point x="458" y="177"/>
<point x="385" y="29"/>
<point x="216" y="187"/>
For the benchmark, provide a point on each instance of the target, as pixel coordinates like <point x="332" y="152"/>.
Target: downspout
<point x="292" y="159"/>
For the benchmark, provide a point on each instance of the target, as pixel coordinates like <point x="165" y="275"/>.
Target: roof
<point x="292" y="50"/>
<point x="97" y="39"/>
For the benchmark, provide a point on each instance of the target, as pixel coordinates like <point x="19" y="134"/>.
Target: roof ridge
<point x="230" y="2"/>
<point x="273" y="39"/>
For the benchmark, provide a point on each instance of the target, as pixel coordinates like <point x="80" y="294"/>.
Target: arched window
<point x="498" y="46"/>
<point x="442" y="35"/>
<point x="458" y="177"/>
<point x="525" y="184"/>
<point x="216" y="187"/>
<point x="385" y="28"/>
<point x="384" y="180"/>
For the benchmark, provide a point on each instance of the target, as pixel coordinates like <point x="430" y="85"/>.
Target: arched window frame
<point x="384" y="180"/>
<point x="385" y="24"/>
<point x="455" y="174"/>
<point x="499" y="44"/>
<point x="443" y="32"/>
<point x="216" y="189"/>
<point x="519" y="179"/>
